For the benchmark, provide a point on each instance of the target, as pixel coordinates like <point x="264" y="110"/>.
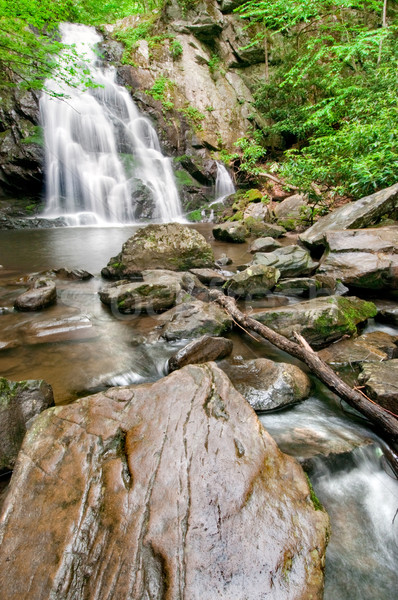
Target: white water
<point x="224" y="184"/>
<point x="101" y="153"/>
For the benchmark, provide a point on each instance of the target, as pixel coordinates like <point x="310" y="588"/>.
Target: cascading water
<point x="224" y="184"/>
<point x="103" y="159"/>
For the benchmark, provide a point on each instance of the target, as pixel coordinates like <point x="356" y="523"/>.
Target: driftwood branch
<point x="385" y="423"/>
<point x="273" y="178"/>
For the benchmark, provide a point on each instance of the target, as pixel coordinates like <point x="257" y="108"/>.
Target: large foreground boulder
<point x="171" y="246"/>
<point x="170" y="490"/>
<point x="20" y="402"/>
<point x="320" y="321"/>
<point x="355" y="215"/>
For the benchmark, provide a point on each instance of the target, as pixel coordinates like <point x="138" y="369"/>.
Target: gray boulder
<point x="265" y="244"/>
<point x="355" y="215"/>
<point x="204" y="349"/>
<point x="230" y="232"/>
<point x="43" y="293"/>
<point x="20" y="402"/>
<point x="363" y="258"/>
<point x="268" y="385"/>
<point x="193" y="319"/>
<point x="135" y="297"/>
<point x="376" y="346"/>
<point x="171" y="246"/>
<point x="291" y="261"/>
<point x="320" y="321"/>
<point x="255" y="281"/>
<point x="381" y="383"/>
<point x="290" y="209"/>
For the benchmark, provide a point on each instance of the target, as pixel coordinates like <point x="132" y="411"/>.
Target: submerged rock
<point x="65" y="329"/>
<point x="192" y="319"/>
<point x="319" y="321"/>
<point x="254" y="281"/>
<point x="204" y="349"/>
<point x="43" y="293"/>
<point x="268" y="385"/>
<point x="154" y="489"/>
<point x="381" y="383"/>
<point x="355" y="215"/>
<point x="20" y="402"/>
<point x="363" y="258"/>
<point x="291" y="261"/>
<point x="171" y="246"/>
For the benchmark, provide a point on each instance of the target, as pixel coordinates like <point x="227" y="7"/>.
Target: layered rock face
<point x="169" y="491"/>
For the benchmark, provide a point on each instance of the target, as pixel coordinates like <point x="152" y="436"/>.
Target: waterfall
<point x="103" y="159"/>
<point x="224" y="184"/>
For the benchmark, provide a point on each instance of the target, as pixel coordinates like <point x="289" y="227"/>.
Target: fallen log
<point x="384" y="422"/>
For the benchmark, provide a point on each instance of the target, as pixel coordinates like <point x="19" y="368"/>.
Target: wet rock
<point x="376" y="346"/>
<point x="320" y="321"/>
<point x="78" y="327"/>
<point x="381" y="383"/>
<point x="31" y="223"/>
<point x="72" y="274"/>
<point x="43" y="293"/>
<point x="388" y="315"/>
<point x="20" y="402"/>
<point x="186" y="280"/>
<point x="258" y="228"/>
<point x="254" y="281"/>
<point x="171" y="246"/>
<point x="306" y="287"/>
<point x="136" y="297"/>
<point x="164" y="488"/>
<point x="205" y="349"/>
<point x="363" y="258"/>
<point x="192" y="319"/>
<point x="291" y="261"/>
<point x="230" y="232"/>
<point x="265" y="244"/>
<point x="209" y="277"/>
<point x="268" y="385"/>
<point x="223" y="261"/>
<point x="355" y="215"/>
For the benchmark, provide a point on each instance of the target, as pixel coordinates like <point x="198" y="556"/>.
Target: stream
<point x="342" y="455"/>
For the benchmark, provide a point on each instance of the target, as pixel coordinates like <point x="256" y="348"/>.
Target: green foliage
<point x="331" y="90"/>
<point x="161" y="90"/>
<point x="194" y="216"/>
<point x="176" y="49"/>
<point x="193" y="116"/>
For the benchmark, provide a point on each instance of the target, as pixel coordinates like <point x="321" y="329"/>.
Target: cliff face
<point x="21" y="151"/>
<point x="191" y="74"/>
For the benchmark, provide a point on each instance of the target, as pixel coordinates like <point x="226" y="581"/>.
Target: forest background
<point x="328" y="94"/>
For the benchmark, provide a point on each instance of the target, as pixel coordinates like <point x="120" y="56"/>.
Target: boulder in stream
<point x="381" y="383"/>
<point x="193" y="319"/>
<point x="375" y="346"/>
<point x="204" y="349"/>
<point x="20" y="402"/>
<point x="255" y="281"/>
<point x="321" y="320"/>
<point x="234" y="232"/>
<point x="268" y="385"/>
<point x="138" y="296"/>
<point x="43" y="293"/>
<point x="264" y="244"/>
<point x="146" y="491"/>
<point x="355" y="215"/>
<point x="291" y="261"/>
<point x="170" y="246"/>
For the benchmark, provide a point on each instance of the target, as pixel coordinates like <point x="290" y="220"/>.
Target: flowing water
<point x="93" y="348"/>
<point x="103" y="159"/>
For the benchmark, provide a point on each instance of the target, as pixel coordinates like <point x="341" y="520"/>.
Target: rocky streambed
<point x="158" y="488"/>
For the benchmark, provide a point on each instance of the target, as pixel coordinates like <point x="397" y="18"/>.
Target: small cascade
<point x="103" y="159"/>
<point x="224" y="184"/>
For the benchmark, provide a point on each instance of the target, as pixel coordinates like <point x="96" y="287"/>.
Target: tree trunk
<point x="384" y="24"/>
<point x="385" y="423"/>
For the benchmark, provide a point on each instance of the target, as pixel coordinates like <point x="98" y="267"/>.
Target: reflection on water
<point x="359" y="496"/>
